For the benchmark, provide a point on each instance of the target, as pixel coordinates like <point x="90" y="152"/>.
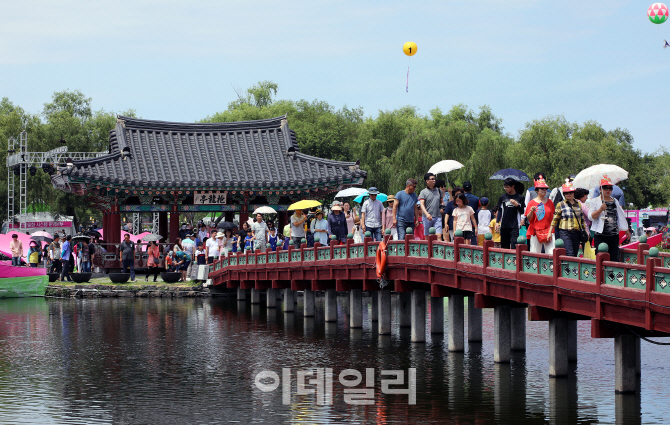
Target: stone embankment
<point x="126" y="291"/>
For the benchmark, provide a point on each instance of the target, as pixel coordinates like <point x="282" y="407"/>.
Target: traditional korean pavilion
<point x="167" y="167"/>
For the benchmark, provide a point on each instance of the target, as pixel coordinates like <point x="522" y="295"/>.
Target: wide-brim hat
<point x="390" y="198"/>
<point x="541" y="184"/>
<point x="336" y="208"/>
<point x="220" y="235"/>
<point x="373" y="191"/>
<point x="317" y="212"/>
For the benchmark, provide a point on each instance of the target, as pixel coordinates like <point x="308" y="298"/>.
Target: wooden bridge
<point x="623" y="300"/>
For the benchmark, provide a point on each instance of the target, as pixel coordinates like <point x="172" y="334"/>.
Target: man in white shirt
<point x="259" y="231"/>
<point x="212" y="248"/>
<point x="371" y="215"/>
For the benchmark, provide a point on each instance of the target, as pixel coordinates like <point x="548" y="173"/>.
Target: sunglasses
<point x="607" y="187"/>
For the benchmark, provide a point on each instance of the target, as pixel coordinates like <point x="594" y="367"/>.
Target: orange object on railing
<point x="380" y="262"/>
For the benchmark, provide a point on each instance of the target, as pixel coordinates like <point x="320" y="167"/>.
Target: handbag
<point x="543" y="235"/>
<point x="583" y="236"/>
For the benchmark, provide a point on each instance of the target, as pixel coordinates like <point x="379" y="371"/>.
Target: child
<point x="200" y="255"/>
<point x="235" y="242"/>
<point x="273" y="239"/>
<point x="169" y="261"/>
<point x="464" y="217"/>
<point x="248" y="243"/>
<point x="484" y="219"/>
<point x="492" y="227"/>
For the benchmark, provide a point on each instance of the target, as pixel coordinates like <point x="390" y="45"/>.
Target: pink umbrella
<point x="42" y="233"/>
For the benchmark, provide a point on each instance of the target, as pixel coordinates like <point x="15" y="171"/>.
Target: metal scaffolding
<point x="19" y="162"/>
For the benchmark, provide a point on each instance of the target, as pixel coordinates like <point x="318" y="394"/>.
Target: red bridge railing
<point x="633" y="292"/>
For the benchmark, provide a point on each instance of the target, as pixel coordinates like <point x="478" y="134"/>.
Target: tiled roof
<point x="256" y="155"/>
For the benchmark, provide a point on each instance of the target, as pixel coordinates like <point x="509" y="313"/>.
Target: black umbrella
<point x="512" y="173"/>
<point x="227" y="225"/>
<point x="42" y="239"/>
<point x="80" y="238"/>
<point x="94" y="233"/>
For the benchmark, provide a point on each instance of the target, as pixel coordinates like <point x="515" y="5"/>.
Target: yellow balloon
<point x="409" y="48"/>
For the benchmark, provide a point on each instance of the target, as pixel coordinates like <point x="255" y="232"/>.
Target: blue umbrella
<point x="510" y="173"/>
<point x="382" y="197"/>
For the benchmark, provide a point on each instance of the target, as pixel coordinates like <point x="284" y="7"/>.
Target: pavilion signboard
<point x="210" y="198"/>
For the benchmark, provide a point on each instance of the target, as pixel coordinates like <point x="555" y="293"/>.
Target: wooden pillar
<point x="282" y="220"/>
<point x="105" y="225"/>
<point x="114" y="235"/>
<point x="163" y="225"/>
<point x="174" y="223"/>
<point x="244" y="212"/>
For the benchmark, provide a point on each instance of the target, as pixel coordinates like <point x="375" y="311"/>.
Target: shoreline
<point x="125" y="291"/>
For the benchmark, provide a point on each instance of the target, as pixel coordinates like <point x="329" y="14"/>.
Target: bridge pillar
<point x="558" y="347"/>
<point x="404" y="309"/>
<point x="330" y="307"/>
<point x="271" y="298"/>
<point x="241" y="294"/>
<point x="374" y="306"/>
<point x="436" y="315"/>
<point x="518" y="316"/>
<point x="308" y="303"/>
<point x="255" y="296"/>
<point x="384" y="322"/>
<point x="356" y="308"/>
<point x="474" y="321"/>
<point x="419" y="315"/>
<point x="625" y="364"/>
<point x="572" y="340"/>
<point x="456" y="327"/>
<point x="289" y="305"/>
<point x="502" y="333"/>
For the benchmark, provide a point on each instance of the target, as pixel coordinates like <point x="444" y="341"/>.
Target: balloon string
<point x="407" y="85"/>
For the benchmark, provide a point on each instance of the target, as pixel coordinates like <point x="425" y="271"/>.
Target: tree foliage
<point x="392" y="146"/>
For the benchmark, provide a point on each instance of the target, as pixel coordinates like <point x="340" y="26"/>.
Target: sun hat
<point x="220" y="235"/>
<point x="541" y="184"/>
<point x="317" y="212"/>
<point x="373" y="191"/>
<point x="336" y="208"/>
<point x="605" y="181"/>
<point x="568" y="187"/>
<point x="390" y="198"/>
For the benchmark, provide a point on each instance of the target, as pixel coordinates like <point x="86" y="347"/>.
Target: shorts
<point x="436" y="222"/>
<point x="184" y="266"/>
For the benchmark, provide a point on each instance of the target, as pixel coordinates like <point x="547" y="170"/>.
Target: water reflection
<point x="194" y="361"/>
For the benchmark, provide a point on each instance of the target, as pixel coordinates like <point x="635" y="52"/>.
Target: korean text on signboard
<point x="214" y="198"/>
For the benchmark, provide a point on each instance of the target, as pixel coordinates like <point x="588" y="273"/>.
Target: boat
<point x="18" y="282"/>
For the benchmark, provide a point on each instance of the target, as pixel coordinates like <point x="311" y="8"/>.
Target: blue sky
<point x="180" y="61"/>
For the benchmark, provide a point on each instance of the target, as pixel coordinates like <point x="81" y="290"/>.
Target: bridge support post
<point x="241" y="294"/>
<point x="436" y="315"/>
<point x="330" y="307"/>
<point x="255" y="296"/>
<point x="384" y="322"/>
<point x="308" y="303"/>
<point x="271" y="299"/>
<point x="356" y="308"/>
<point x="501" y="333"/>
<point x="474" y="321"/>
<point x="572" y="340"/>
<point x="419" y="315"/>
<point x="404" y="309"/>
<point x="289" y="305"/>
<point x="374" y="306"/>
<point x="558" y="347"/>
<point x="625" y="364"/>
<point x="456" y="327"/>
<point x="518" y="316"/>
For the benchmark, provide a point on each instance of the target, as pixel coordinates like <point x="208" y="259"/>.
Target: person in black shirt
<point x="510" y="209"/>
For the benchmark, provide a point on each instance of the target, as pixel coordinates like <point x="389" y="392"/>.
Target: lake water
<point x="158" y="361"/>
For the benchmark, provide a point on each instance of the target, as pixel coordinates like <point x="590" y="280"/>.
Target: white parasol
<point x="445" y="166"/>
<point x="352" y="191"/>
<point x="590" y="177"/>
<point x="265" y="210"/>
